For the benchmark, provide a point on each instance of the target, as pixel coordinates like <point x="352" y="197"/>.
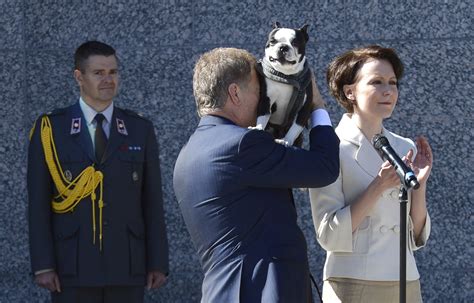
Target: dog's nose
<point x="284" y="48"/>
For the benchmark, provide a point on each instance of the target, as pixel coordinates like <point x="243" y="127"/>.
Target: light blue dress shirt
<point x="89" y="115"/>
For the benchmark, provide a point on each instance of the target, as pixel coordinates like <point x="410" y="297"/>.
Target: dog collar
<point x="300" y="80"/>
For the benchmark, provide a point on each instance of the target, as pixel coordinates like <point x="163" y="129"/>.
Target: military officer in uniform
<point x="96" y="222"/>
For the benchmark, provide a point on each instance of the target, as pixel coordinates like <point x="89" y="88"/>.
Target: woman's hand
<point x="422" y="168"/>
<point x="423" y="161"/>
<point x="387" y="177"/>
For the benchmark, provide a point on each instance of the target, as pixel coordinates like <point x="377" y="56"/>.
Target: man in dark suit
<point x="97" y="230"/>
<point x="232" y="185"/>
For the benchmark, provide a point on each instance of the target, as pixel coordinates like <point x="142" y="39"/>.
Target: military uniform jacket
<point x="134" y="235"/>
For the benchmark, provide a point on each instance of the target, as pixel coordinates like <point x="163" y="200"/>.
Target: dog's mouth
<point x="281" y="60"/>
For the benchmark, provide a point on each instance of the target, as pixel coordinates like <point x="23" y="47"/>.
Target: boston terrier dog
<point x="286" y="101"/>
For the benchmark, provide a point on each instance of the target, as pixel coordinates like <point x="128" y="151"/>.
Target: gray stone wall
<point x="158" y="43"/>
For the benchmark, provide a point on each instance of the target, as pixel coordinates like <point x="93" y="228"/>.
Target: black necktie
<point x="100" y="139"/>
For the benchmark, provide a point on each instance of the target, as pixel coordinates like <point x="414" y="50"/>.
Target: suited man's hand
<point x="318" y="101"/>
<point x="155" y="279"/>
<point x="48" y="280"/>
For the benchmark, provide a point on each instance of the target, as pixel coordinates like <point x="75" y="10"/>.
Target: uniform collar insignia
<point x="75" y="126"/>
<point x="121" y="127"/>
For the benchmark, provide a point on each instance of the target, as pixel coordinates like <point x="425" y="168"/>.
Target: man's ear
<point x="349" y="91"/>
<point x="78" y="76"/>
<point x="233" y="90"/>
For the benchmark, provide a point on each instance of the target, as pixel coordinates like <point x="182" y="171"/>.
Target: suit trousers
<point x="343" y="290"/>
<point x="108" y="294"/>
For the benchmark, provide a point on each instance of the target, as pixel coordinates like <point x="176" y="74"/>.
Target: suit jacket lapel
<point x="116" y="139"/>
<point x="83" y="137"/>
<point x="366" y="156"/>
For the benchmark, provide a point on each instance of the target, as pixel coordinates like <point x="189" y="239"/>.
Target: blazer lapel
<point x="395" y="143"/>
<point x="81" y="137"/>
<point x="116" y="139"/>
<point x="366" y="156"/>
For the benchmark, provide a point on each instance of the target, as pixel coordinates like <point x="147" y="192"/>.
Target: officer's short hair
<point x="91" y="48"/>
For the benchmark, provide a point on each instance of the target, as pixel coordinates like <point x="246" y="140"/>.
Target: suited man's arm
<point x="264" y="163"/>
<point x="331" y="217"/>
<point x="40" y="191"/>
<point x="157" y="241"/>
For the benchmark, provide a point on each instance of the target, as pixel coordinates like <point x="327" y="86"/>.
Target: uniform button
<point x="396" y="229"/>
<point x="105" y="223"/>
<point x="383" y="229"/>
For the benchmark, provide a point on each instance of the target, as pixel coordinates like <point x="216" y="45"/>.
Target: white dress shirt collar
<point x="89" y="112"/>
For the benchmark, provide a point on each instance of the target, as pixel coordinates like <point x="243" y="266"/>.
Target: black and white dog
<point x="286" y="101"/>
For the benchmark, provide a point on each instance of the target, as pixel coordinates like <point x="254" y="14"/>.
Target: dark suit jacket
<point x="134" y="235"/>
<point x="232" y="187"/>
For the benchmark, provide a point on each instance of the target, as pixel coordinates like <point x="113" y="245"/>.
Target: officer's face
<point x="99" y="80"/>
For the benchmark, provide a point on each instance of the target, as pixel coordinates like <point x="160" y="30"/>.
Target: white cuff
<point x="320" y="117"/>
<point x="43" y="271"/>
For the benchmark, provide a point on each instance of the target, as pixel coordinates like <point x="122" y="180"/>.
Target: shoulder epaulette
<point x="55" y="112"/>
<point x="133" y="113"/>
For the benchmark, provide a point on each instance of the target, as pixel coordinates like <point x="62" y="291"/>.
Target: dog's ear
<point x="304" y="30"/>
<point x="276" y="25"/>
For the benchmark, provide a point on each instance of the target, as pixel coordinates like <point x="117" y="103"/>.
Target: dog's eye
<point x="294" y="43"/>
<point x="273" y="41"/>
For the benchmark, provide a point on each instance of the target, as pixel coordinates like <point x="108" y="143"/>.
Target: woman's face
<point x="375" y="91"/>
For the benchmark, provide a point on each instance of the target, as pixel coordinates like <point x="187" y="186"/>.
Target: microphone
<point x="386" y="152"/>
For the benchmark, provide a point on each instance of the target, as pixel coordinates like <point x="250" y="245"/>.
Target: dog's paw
<point x="282" y="142"/>
<point x="257" y="127"/>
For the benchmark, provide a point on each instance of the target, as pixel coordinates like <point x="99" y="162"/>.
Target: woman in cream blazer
<point x="357" y="218"/>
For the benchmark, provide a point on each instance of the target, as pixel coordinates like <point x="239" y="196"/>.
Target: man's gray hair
<point x="214" y="72"/>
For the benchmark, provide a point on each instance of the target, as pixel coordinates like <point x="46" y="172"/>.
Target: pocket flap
<point x="65" y="232"/>
<point x="72" y="157"/>
<point x="132" y="156"/>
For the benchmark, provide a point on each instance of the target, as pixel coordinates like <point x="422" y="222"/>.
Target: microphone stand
<point x="408" y="181"/>
<point x="403" y="196"/>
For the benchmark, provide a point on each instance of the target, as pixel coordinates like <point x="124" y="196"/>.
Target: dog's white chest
<point x="279" y="94"/>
